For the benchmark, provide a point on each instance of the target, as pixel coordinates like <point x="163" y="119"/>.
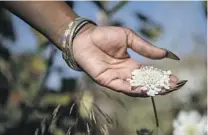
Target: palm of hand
<point x="102" y="53"/>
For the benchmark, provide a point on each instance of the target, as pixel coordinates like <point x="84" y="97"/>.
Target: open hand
<point x="102" y="53"/>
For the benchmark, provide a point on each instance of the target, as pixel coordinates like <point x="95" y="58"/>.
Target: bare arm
<point x="100" y="51"/>
<point x="50" y="18"/>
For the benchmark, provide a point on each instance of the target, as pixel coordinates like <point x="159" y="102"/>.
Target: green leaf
<point x="55" y="99"/>
<point x="37" y="65"/>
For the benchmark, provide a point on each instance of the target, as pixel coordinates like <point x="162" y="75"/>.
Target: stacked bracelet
<point x="67" y="43"/>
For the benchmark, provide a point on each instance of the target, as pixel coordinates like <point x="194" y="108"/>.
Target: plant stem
<point x="155" y="112"/>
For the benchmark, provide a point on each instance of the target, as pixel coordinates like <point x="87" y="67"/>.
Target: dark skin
<point x="104" y="48"/>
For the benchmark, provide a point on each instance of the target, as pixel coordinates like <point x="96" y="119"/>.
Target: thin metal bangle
<point x="67" y="43"/>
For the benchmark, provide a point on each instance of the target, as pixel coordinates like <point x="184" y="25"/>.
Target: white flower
<point x="190" y="123"/>
<point x="196" y="77"/>
<point x="150" y="79"/>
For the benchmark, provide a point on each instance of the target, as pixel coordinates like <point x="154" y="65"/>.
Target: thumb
<point x="145" y="48"/>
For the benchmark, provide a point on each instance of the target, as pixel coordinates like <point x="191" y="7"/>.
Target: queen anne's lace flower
<point x="150" y="79"/>
<point x="190" y="123"/>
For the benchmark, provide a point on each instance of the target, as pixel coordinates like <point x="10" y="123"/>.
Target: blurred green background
<point x="35" y="81"/>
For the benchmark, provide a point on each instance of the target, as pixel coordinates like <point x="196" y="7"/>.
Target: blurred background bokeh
<point x="39" y="94"/>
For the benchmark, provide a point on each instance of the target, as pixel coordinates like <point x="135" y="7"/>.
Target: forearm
<point x="50" y="18"/>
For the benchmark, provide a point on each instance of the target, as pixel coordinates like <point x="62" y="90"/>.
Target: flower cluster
<point x="150" y="79"/>
<point x="190" y="123"/>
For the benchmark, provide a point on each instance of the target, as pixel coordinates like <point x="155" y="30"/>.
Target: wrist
<point x="86" y="28"/>
<point x="61" y="30"/>
<point x="80" y="26"/>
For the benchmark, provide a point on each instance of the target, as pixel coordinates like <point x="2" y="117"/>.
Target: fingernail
<point x="179" y="85"/>
<point x="182" y="82"/>
<point x="171" y="55"/>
